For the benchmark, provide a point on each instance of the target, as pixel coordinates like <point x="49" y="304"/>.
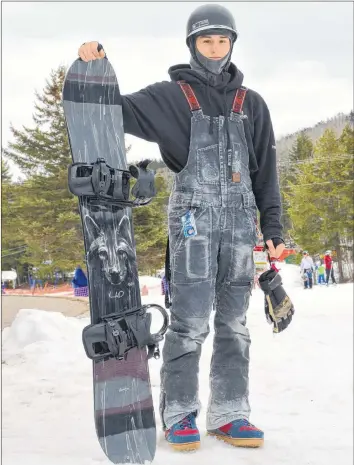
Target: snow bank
<point x="39" y="337"/>
<point x="153" y="284"/>
<point x="290" y="275"/>
<point x="301" y="387"/>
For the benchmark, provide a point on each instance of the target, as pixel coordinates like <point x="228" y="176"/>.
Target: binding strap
<point x="190" y="95"/>
<point x="238" y="100"/>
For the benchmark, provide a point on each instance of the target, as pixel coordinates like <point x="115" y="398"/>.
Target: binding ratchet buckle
<point x="101" y="182"/>
<point x="119" y="333"/>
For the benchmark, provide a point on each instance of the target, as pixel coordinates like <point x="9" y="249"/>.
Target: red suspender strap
<point x="239" y="99"/>
<point x="190" y="96"/>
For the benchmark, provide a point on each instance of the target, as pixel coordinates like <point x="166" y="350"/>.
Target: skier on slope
<point x="217" y="137"/>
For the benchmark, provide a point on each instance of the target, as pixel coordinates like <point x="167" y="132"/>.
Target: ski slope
<point x="301" y="387"/>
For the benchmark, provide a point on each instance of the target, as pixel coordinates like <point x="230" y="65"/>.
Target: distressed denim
<point x="212" y="270"/>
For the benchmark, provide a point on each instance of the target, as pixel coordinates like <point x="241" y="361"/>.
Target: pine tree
<point x="5" y="172"/>
<point x="49" y="222"/>
<point x="43" y="215"/>
<point x="302" y="148"/>
<point x="346" y="140"/>
<point x="43" y="149"/>
<point x="320" y="197"/>
<point x="150" y="230"/>
<point x="41" y="210"/>
<point x="12" y="245"/>
<point x="301" y="151"/>
<point x="344" y="239"/>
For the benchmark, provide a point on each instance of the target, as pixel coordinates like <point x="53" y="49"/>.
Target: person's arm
<point x="144" y="113"/>
<point x="160" y="113"/>
<point x="265" y="180"/>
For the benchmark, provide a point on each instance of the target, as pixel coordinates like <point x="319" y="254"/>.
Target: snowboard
<point x="118" y="340"/>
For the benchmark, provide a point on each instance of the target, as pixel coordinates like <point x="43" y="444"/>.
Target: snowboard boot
<point x="184" y="435"/>
<point x="240" y="433"/>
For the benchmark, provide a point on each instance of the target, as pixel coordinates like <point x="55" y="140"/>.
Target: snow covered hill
<point x="301" y="387"/>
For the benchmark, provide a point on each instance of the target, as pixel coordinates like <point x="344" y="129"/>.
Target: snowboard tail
<point x="118" y="340"/>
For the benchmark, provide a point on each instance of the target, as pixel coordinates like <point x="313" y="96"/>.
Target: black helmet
<point x="210" y="16"/>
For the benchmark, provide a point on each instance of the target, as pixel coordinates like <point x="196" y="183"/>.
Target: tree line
<point x="41" y="225"/>
<point x="317" y="192"/>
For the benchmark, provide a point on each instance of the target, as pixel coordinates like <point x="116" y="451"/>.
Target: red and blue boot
<point x="239" y="433"/>
<point x="184" y="435"/>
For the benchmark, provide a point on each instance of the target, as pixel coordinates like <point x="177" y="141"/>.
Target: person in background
<point x="329" y="267"/>
<point x="321" y="274"/>
<point x="79" y="279"/>
<point x="79" y="283"/>
<point x="307" y="267"/>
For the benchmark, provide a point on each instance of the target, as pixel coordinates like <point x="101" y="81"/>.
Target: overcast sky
<point x="297" y="55"/>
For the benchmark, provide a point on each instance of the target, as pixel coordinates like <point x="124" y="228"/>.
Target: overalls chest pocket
<point x="208" y="166"/>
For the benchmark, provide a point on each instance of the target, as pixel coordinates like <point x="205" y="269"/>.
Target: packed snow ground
<point x="301" y="387"/>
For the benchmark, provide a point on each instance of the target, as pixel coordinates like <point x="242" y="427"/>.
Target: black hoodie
<point x="160" y="113"/>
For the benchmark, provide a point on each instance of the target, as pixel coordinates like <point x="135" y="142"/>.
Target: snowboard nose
<point x="115" y="277"/>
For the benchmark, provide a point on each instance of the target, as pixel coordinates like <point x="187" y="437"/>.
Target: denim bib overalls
<point x="212" y="269"/>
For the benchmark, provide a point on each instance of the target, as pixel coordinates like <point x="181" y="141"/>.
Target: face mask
<point x="211" y="66"/>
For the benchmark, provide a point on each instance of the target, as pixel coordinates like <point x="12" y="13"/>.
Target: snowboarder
<point x="329" y="267"/>
<point x="217" y="137"/>
<point x="307" y="267"/>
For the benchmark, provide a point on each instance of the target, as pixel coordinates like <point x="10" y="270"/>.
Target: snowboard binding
<point x="116" y="334"/>
<point x="99" y="181"/>
<point x="119" y="333"/>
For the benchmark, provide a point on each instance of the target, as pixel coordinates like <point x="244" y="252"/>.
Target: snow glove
<point x="279" y="309"/>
